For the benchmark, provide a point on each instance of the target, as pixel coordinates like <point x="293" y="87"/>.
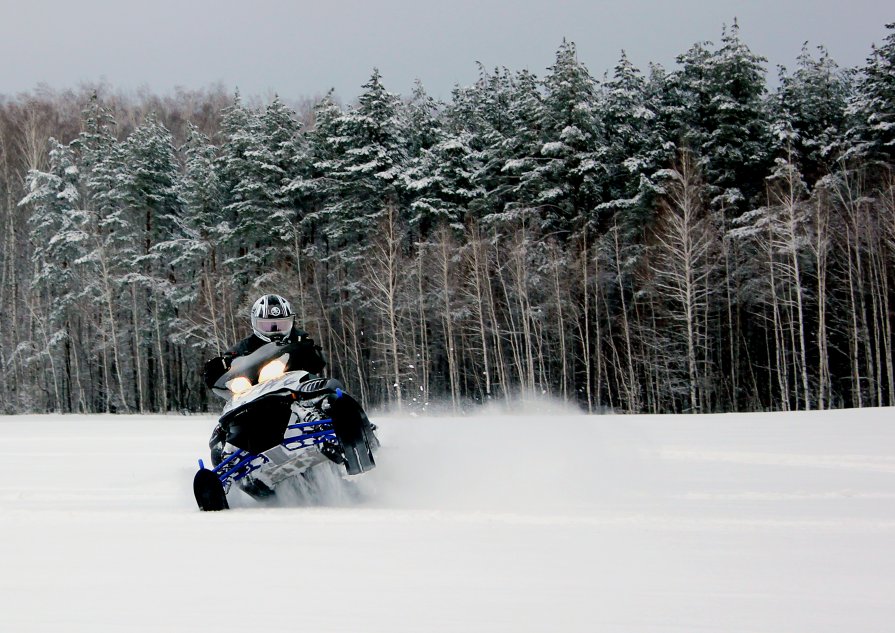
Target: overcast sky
<point x="301" y="49"/>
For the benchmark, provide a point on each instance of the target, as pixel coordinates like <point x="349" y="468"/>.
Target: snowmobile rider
<point x="272" y="320"/>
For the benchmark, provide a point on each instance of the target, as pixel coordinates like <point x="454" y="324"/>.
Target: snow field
<point x="548" y="521"/>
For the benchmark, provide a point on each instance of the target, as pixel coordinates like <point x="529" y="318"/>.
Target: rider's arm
<point x="311" y="355"/>
<point x="314" y="362"/>
<point x="215" y="368"/>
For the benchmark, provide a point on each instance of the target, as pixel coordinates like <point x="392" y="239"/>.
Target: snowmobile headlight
<point x="239" y="385"/>
<point x="273" y="369"/>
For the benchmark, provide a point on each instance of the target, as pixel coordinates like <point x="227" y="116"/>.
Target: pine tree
<point x="147" y="212"/>
<point x="440" y="166"/>
<point x="194" y="251"/>
<point x="720" y="115"/>
<point x="812" y="104"/>
<point x="365" y="172"/>
<point x="634" y="148"/>
<point x="58" y="241"/>
<point x="570" y="177"/>
<point x="478" y="115"/>
<point x="109" y="239"/>
<point x="873" y="106"/>
<point x="253" y="165"/>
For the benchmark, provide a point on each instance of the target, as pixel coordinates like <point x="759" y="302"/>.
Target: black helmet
<point x="272" y="318"/>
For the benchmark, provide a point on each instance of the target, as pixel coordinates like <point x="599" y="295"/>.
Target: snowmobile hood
<point x="250" y="365"/>
<point x="288" y="383"/>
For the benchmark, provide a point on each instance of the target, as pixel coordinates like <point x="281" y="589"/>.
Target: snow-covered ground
<point x="541" y="522"/>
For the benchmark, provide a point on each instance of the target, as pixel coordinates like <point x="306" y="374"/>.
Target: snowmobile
<point x="278" y="424"/>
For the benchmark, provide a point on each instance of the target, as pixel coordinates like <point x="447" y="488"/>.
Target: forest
<point x="702" y="238"/>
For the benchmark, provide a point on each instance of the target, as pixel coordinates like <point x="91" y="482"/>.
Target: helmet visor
<point x="274" y="326"/>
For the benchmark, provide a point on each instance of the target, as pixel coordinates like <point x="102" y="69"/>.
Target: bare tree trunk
<point x="585" y="326"/>
<point x="821" y="249"/>
<point x="888" y="214"/>
<point x="684" y="269"/>
<point x="496" y="343"/>
<point x="525" y="315"/>
<point x="424" y="336"/>
<point x="513" y="332"/>
<point x="163" y="376"/>
<point x="113" y="332"/>
<point x="382" y="268"/>
<point x="600" y="361"/>
<point x="562" y="327"/>
<point x="447" y="317"/>
<point x="11" y="281"/>
<point x="45" y="336"/>
<point x="208" y="289"/>
<point x="779" y="340"/>
<point x="74" y="355"/>
<point x="633" y="388"/>
<point x="296" y="250"/>
<point x="478" y="272"/>
<point x="141" y="398"/>
<point x="732" y="330"/>
<point x="791" y="202"/>
<point x="854" y="337"/>
<point x="358" y="357"/>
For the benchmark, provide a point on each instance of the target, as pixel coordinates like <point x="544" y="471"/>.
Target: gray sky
<point x="301" y="49"/>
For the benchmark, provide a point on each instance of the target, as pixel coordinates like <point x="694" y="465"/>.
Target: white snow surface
<point x="543" y="521"/>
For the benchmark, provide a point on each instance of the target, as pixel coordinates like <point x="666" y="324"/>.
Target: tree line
<point x="662" y="241"/>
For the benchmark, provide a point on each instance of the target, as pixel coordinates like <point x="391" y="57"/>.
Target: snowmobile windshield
<point x="250" y="366"/>
<point x="274" y="326"/>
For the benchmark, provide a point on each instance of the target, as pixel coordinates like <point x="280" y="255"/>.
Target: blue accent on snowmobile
<point x="252" y="468"/>
<point x="220" y="466"/>
<point x="339" y="393"/>
<point x="225" y="471"/>
<point x="307" y="424"/>
<point x="309" y="439"/>
<point x="242" y="463"/>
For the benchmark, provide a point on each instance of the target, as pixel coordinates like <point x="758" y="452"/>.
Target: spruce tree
<point x="811" y="102"/>
<point x="720" y="115"/>
<point x="873" y="107"/>
<point x="634" y="148"/>
<point x="572" y="145"/>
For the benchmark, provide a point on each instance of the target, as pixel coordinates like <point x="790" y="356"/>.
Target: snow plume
<point x="322" y="485"/>
<point x="536" y="459"/>
<point x="515" y="403"/>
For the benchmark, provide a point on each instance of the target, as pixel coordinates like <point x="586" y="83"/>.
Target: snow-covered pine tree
<point x="872" y="108"/>
<point x="58" y="241"/>
<point x="145" y="196"/>
<point x="364" y="175"/>
<point x="571" y="175"/>
<point x="440" y="166"/>
<point x="194" y="251"/>
<point x="634" y="145"/>
<point x="442" y="181"/>
<point x="718" y="98"/>
<point x="255" y="164"/>
<point x="811" y="102"/>
<point x="99" y="158"/>
<point x="421" y="121"/>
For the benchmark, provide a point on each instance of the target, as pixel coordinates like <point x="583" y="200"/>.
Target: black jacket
<point x="310" y="359"/>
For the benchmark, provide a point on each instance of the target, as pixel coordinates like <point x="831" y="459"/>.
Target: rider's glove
<point x="215" y="368"/>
